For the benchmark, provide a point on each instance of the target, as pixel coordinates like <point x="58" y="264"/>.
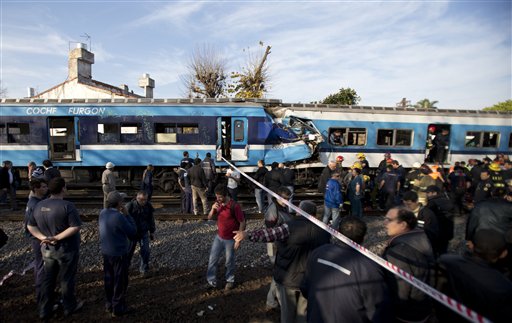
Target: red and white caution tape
<point x="455" y="306"/>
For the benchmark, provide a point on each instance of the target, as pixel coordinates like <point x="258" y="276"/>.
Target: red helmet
<point x="432" y="128"/>
<point x="339" y="159"/>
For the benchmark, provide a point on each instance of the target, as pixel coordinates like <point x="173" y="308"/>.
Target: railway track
<point x="89" y="201"/>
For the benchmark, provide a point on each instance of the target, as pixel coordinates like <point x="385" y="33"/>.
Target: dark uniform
<point x="483" y="190"/>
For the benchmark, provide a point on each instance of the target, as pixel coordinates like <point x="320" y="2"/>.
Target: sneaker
<point x="229" y="286"/>
<point x="78" y="306"/>
<point x="211" y="285"/>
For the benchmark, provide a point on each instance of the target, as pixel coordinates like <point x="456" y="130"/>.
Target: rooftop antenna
<point x="87" y="38"/>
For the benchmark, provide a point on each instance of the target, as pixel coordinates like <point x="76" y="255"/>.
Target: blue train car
<point x="404" y="132"/>
<point x="135" y="132"/>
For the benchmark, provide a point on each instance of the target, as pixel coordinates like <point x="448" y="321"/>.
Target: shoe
<point x="122" y="313"/>
<point x="229" y="286"/>
<point x="211" y="285"/>
<point x="78" y="306"/>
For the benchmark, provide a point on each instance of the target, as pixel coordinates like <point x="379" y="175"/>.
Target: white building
<point x="80" y="85"/>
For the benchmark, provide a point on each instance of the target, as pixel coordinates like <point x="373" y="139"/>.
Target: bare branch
<point x="207" y="78"/>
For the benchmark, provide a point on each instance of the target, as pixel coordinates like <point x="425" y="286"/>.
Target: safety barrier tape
<point x="455" y="306"/>
<point x="12" y="272"/>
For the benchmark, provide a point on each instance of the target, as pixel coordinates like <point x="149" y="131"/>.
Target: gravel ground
<point x="180" y="245"/>
<point x="179" y="256"/>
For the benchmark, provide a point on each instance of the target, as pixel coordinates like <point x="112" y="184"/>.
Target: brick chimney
<point x="80" y="62"/>
<point x="148" y="84"/>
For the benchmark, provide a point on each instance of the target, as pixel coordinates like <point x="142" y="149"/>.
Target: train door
<point x="224" y="138"/>
<point x="239" y="148"/>
<point x="438" y="143"/>
<point x="232" y="138"/>
<point x="63" y="139"/>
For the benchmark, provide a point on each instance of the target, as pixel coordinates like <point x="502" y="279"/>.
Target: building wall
<point x="73" y="90"/>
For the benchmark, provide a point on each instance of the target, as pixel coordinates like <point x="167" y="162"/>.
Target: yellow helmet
<point x="495" y="167"/>
<point x="360" y="156"/>
<point x="357" y="165"/>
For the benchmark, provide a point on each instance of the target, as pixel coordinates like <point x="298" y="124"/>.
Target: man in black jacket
<point x="296" y="240"/>
<point x="9" y="181"/>
<point x="142" y="213"/>
<point x="474" y="281"/>
<point x="288" y="180"/>
<point x="427" y="220"/>
<point x="443" y="209"/>
<point x="326" y="175"/>
<point x="410" y="250"/>
<point x="342" y="285"/>
<point x="199" y="185"/>
<point x="259" y="193"/>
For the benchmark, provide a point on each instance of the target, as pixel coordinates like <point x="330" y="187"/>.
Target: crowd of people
<point x="314" y="279"/>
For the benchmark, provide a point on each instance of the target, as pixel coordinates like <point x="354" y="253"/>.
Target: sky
<point x="455" y="52"/>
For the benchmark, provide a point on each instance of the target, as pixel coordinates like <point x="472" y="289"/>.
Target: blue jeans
<point x="219" y="245"/>
<point x="144" y="252"/>
<point x="335" y="212"/>
<point x="260" y="199"/>
<point x="62" y="265"/>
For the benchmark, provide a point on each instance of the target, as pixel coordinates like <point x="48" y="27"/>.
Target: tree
<point x="207" y="77"/>
<point x="426" y="104"/>
<point x="252" y="81"/>
<point x="501" y="106"/>
<point x="3" y="91"/>
<point x="346" y="96"/>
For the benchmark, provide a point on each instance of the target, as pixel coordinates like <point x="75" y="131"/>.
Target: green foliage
<point x="252" y="81"/>
<point x="501" y="106"/>
<point x="346" y="96"/>
<point x="426" y="104"/>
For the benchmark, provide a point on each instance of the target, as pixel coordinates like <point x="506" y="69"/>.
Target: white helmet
<point x="416" y="165"/>
<point x="110" y="165"/>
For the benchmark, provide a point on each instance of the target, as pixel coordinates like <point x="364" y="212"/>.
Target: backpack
<point x="233" y="211"/>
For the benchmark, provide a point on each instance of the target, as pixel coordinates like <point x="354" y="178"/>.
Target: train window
<point x="491" y="139"/>
<point x="3" y="134"/>
<point x="238" y="132"/>
<point x="482" y="139"/>
<point x="394" y="137"/>
<point x="337" y="136"/>
<point x="187" y="129"/>
<point x="108" y="133"/>
<point x="165" y="133"/>
<point x="356" y="136"/>
<point x="403" y="137"/>
<point x="18" y="133"/>
<point x="385" y="137"/>
<point x="131" y="133"/>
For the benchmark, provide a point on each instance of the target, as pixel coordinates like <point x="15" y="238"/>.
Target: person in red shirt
<point x="230" y="218"/>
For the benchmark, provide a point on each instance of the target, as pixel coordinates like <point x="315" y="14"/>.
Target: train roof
<point x="137" y="101"/>
<point x="389" y="110"/>
<point x="274" y="104"/>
